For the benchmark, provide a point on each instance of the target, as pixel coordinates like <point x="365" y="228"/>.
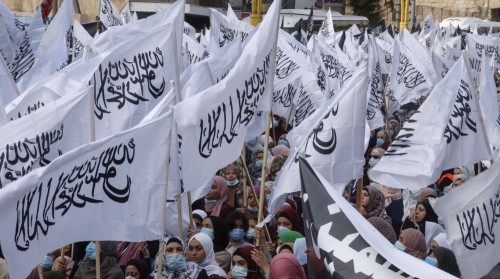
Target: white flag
<point x="15" y="28"/>
<point x="212" y="124"/>
<point x="385" y="49"/>
<point x="101" y="185"/>
<point x="332" y="140"/>
<point x="36" y="30"/>
<point x="36" y="140"/>
<point x="133" y="79"/>
<point x="489" y="102"/>
<point x="192" y="52"/>
<point x="108" y="14"/>
<point x="374" y="114"/>
<point x="408" y="78"/>
<point x="81" y="39"/>
<point x="9" y="90"/>
<point x="125" y="13"/>
<point x="230" y="13"/>
<point x="53" y="53"/>
<point x="447" y="131"/>
<point x="189" y="30"/>
<point x="470" y="214"/>
<point x="7" y="49"/>
<point x="490" y="44"/>
<point x="224" y="29"/>
<point x="23" y="59"/>
<point x="326" y="30"/>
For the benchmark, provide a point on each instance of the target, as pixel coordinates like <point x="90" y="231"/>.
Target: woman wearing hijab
<point x="137" y="269"/>
<point x="373" y="204"/>
<point x="235" y="195"/>
<point x="201" y="251"/>
<point x="109" y="266"/>
<point x="285" y="266"/>
<point x="423" y="213"/>
<point x="255" y="166"/>
<point x="215" y="228"/>
<point x="427" y="193"/>
<point x="412" y="242"/>
<point x="440" y="241"/>
<point x="384" y="228"/>
<point x="243" y="266"/>
<point x="175" y="264"/>
<point x="286" y="241"/>
<point x="215" y="201"/>
<point x="444" y="259"/>
<point x="289" y="220"/>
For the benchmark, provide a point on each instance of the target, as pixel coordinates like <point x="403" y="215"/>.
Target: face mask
<point x="47" y="263"/>
<point x="258" y="164"/>
<point x="276" y="123"/>
<point x="250" y="234"/>
<point x="372" y="162"/>
<point x="233" y="183"/>
<point x="208" y="231"/>
<point x="431" y="261"/>
<point x="400" y="246"/>
<point x="239" y="272"/>
<point x="380" y="142"/>
<point x="129" y="277"/>
<point x="176" y="262"/>
<point x="210" y="202"/>
<point x="252" y="142"/>
<point x="283" y="142"/>
<point x="90" y="251"/>
<point x="253" y="209"/>
<point x="203" y="263"/>
<point x="401" y="112"/>
<point x="237" y="234"/>
<point x="282" y="230"/>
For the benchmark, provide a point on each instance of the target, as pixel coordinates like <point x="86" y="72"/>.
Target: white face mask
<point x="129" y="277"/>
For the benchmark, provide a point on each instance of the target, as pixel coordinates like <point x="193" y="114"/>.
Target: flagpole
<point x="359" y="191"/>
<point x="179" y="215"/>
<point x="190" y="209"/>
<point x="262" y="194"/>
<point x="39" y="270"/>
<point x="98" y="260"/>
<point x="243" y="162"/>
<point x="164" y="203"/>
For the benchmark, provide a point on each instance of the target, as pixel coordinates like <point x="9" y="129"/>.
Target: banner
<point x="326" y="31"/>
<point x="108" y="14"/>
<point x="102" y="185"/>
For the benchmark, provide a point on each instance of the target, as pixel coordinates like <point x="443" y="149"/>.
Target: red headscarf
<point x="253" y="268"/>
<point x="294" y="218"/>
<point x="285" y="265"/>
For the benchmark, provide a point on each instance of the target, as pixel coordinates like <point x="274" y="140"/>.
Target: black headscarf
<point x="221" y="237"/>
<point x="430" y="215"/>
<point x="447" y="261"/>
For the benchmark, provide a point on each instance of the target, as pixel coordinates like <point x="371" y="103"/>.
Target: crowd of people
<point x="222" y="240"/>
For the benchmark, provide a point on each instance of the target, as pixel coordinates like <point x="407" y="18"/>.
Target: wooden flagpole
<point x="262" y="195"/>
<point x="98" y="260"/>
<point x="179" y="215"/>
<point x="245" y="181"/>
<point x="359" y="192"/>
<point x="40" y="273"/>
<point x="190" y="208"/>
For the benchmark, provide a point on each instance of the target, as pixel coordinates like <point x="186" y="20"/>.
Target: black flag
<point x="342" y="249"/>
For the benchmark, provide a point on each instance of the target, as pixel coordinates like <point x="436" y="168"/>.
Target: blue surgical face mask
<point x="372" y="162"/>
<point x="237" y="234"/>
<point x="431" y="261"/>
<point x="90" y="251"/>
<point x="252" y="142"/>
<point x="204" y="263"/>
<point x="239" y="272"/>
<point x="47" y="263"/>
<point x="250" y="234"/>
<point x="282" y="230"/>
<point x="276" y="123"/>
<point x="380" y="142"/>
<point x="208" y="231"/>
<point x="233" y="183"/>
<point x="253" y="209"/>
<point x="210" y="202"/>
<point x="176" y="262"/>
<point x="283" y="142"/>
<point x="400" y="246"/>
<point x="258" y="164"/>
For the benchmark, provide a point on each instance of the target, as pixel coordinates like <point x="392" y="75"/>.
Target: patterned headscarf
<point x="414" y="241"/>
<point x="376" y="206"/>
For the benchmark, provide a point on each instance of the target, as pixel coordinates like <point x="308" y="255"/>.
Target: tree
<point x="367" y="8"/>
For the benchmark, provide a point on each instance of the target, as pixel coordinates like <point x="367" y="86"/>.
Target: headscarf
<point x="212" y="267"/>
<point x="280" y="150"/>
<point x="254" y="171"/>
<point x="199" y="213"/>
<point x="289" y="236"/>
<point x="109" y="266"/>
<point x="414" y="241"/>
<point x="253" y="268"/>
<point x="377" y="152"/>
<point x="142" y="266"/>
<point x="221" y="237"/>
<point x="191" y="272"/>
<point x="430" y="214"/>
<point x="431" y="231"/>
<point x="390" y="194"/>
<point x="293" y="217"/>
<point x="286" y="266"/>
<point x="376" y="206"/>
<point x="221" y="184"/>
<point x="447" y="261"/>
<point x="299" y="250"/>
<point x="441" y="240"/>
<point x="384" y="228"/>
<point x="425" y="193"/>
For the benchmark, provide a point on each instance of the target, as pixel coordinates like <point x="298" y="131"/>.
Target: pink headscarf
<point x="221" y="184"/>
<point x="286" y="266"/>
<point x="280" y="150"/>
